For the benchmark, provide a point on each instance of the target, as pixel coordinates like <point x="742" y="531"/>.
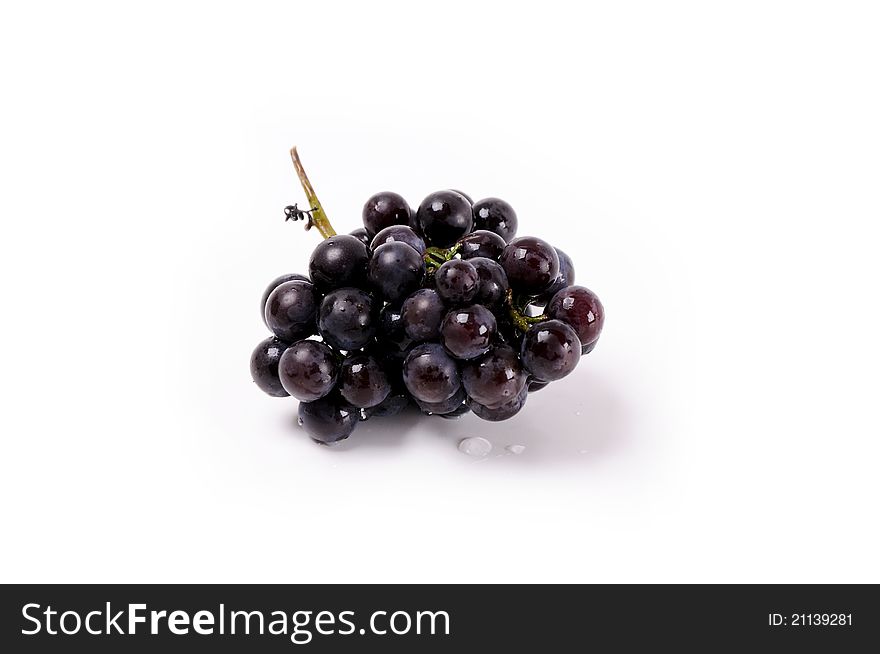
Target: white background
<point x="712" y="168"/>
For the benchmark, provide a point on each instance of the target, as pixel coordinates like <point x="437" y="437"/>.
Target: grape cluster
<point x="442" y="308"/>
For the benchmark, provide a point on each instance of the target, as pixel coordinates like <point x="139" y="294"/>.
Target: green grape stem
<point x="436" y="257"/>
<point x="317" y="218"/>
<point x="521" y="321"/>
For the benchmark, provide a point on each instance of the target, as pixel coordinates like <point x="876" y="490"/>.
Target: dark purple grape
<point x="565" y="276"/>
<point x="391" y="332"/>
<point x="457" y="282"/>
<point x="339" y="261"/>
<point x="278" y="281"/>
<point x="481" y="243"/>
<point x="264" y="366"/>
<point x="468" y="332"/>
<point x="399" y="233"/>
<point x="495" y="378"/>
<point x="550" y="350"/>
<point x="328" y="420"/>
<point x="586" y="349"/>
<point x="393" y="405"/>
<point x="580" y="308"/>
<point x="383" y="210"/>
<point x="531" y="264"/>
<point x="496" y="216"/>
<point x="492" y="287"/>
<point x="422" y="313"/>
<point x="430" y="374"/>
<point x="535" y="386"/>
<point x="362" y="381"/>
<point x="464" y="195"/>
<point x="308" y="370"/>
<point x="396" y="270"/>
<point x="502" y="412"/>
<point x="361" y="234"/>
<point x="448" y="405"/>
<point x="291" y="309"/>
<point x="347" y="319"/>
<point x="444" y="217"/>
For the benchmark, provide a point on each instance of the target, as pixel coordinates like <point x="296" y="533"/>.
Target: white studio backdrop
<point x="711" y="168"/>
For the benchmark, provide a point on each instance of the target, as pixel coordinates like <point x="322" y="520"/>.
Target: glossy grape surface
<point x="264" y="366"/>
<point x="347" y="319"/>
<point x="444" y="217"/>
<point x="581" y="308"/>
<point x="396" y="270"/>
<point x="361" y="234"/>
<point x="496" y="216"/>
<point x="402" y="234"/>
<point x="328" y="420"/>
<point x="564" y="278"/>
<point x="391" y="333"/>
<point x="308" y="370"/>
<point x="363" y="382"/>
<point x="481" y="243"/>
<point x="278" y="281"/>
<point x="495" y="378"/>
<point x="421" y="315"/>
<point x="445" y="407"/>
<point x="338" y="261"/>
<point x="531" y="264"/>
<point x="291" y="309"/>
<point x="457" y="282"/>
<point x="503" y="411"/>
<point x="467" y="333"/>
<point x="383" y="210"/>
<point x="550" y="350"/>
<point x="492" y="286"/>
<point x="430" y="374"/>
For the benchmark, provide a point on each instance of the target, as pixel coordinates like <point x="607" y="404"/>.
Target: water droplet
<point x="516" y="449"/>
<point x="475" y="446"/>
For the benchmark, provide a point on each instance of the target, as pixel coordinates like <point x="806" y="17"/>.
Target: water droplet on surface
<point x="516" y="449"/>
<point x="475" y="446"/>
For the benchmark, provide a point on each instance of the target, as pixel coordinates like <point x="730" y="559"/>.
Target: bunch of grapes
<point x="441" y="308"/>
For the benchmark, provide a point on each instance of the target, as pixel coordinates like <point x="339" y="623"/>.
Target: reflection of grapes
<point x="417" y="309"/>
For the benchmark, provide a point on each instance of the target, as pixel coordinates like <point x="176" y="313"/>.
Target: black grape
<point x="444" y="217"/>
<point x="339" y="261"/>
<point x="396" y="270"/>
<point x="550" y="350"/>
<point x="495" y="378"/>
<point x="481" y="243"/>
<point x="430" y="374"/>
<point x="278" y="281"/>
<point x="457" y="282"/>
<point x="402" y="234"/>
<point x="492" y="287"/>
<point x="531" y="264"/>
<point x="496" y="216"/>
<point x="502" y="412"/>
<point x="347" y="319"/>
<point x="580" y="308"/>
<point x="264" y="366"/>
<point x="308" y="370"/>
<point x="291" y="309"/>
<point x="363" y="382"/>
<point x="421" y="315"/>
<point x="468" y="332"/>
<point x="328" y="420"/>
<point x="383" y="210"/>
